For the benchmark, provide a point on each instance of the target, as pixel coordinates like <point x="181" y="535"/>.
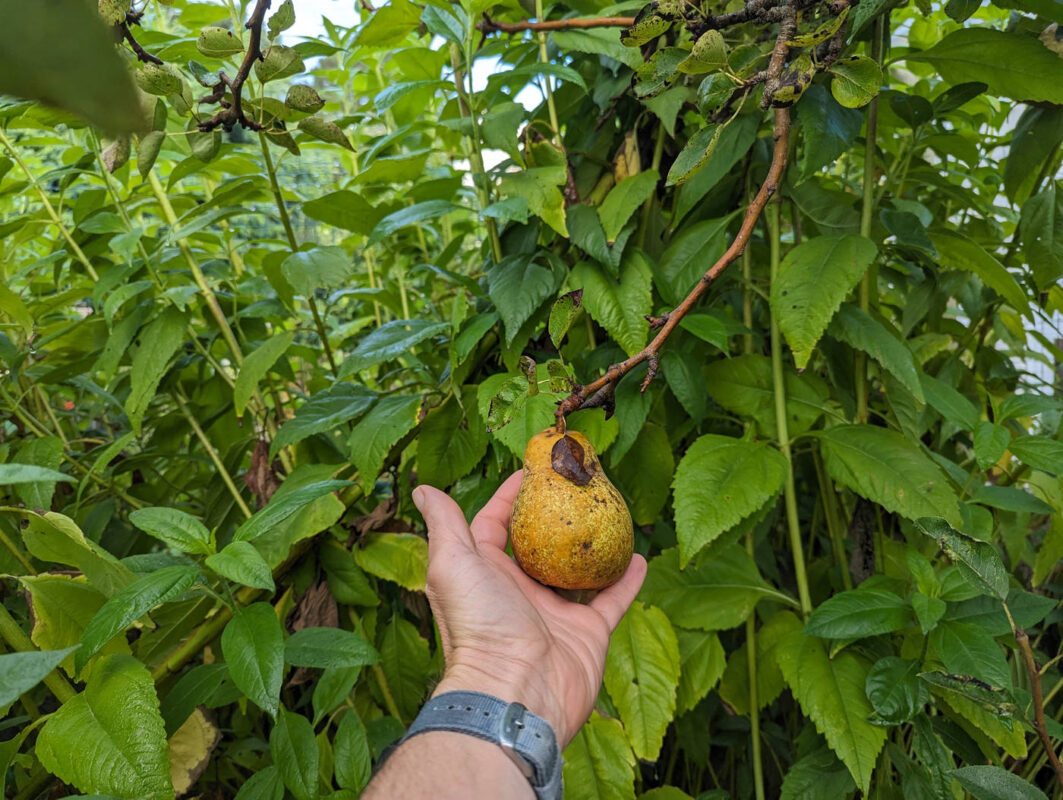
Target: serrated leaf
<point x="328" y="648"/>
<point x="598" y="763"/>
<point x="814" y="278"/>
<point x="856" y="80"/>
<point x="322" y="413"/>
<point x="175" y="528"/>
<point x="734" y="685"/>
<point x="159" y="341"/>
<point x="295" y="753"/>
<point x="253" y="646"/>
<point x="895" y="690"/>
<point x="948" y="402"/>
<point x="130" y="604"/>
<point x="978" y="560"/>
<point x="959" y="252"/>
<point x="353" y="762"/>
<point x="110" y="738"/>
<point x="701" y="664"/>
<point x="255" y="366"/>
<point x="242" y="563"/>
<point x="719" y="482"/>
<point x="641" y="675"/>
<point x="411" y="215"/>
<point x="623" y="200"/>
<point x="451" y="441"/>
<point x="1039" y="452"/>
<point x="562" y="313"/>
<point x="831" y="694"/>
<point x="860" y="330"/>
<point x="988" y="782"/>
<point x="518" y="286"/>
<point x="817" y="776"/>
<point x="857" y="613"/>
<point x="884" y="467"/>
<point x="389" y="341"/>
<point x="389" y="420"/>
<point x="619" y="306"/>
<point x="540" y="188"/>
<point x="990" y="443"/>
<point x="281" y="507"/>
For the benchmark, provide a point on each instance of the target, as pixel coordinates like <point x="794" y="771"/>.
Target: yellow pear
<point x="570" y="527"/>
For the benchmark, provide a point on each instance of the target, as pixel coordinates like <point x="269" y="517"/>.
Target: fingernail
<point x="418" y="498"/>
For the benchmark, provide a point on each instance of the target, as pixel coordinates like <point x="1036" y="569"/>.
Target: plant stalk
<point x="223" y="473"/>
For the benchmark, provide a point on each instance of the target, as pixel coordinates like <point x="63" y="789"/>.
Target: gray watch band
<point x="526" y="738"/>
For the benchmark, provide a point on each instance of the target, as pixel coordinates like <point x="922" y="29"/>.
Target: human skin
<point x="505" y="635"/>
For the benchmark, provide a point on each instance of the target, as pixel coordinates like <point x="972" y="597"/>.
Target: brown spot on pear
<point x="570" y="528"/>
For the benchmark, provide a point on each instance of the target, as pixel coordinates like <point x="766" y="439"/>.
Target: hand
<point x="505" y="634"/>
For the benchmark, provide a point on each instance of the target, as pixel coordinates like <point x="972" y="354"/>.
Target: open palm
<point x="505" y="634"/>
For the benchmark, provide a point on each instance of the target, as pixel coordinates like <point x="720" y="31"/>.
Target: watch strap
<point x="527" y="738"/>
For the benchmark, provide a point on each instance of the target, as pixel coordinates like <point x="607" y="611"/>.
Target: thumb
<point x="446" y="523"/>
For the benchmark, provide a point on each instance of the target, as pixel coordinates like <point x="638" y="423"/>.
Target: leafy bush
<point x="236" y="334"/>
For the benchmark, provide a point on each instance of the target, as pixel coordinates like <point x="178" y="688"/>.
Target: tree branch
<point x="232" y="114"/>
<point x="488" y="25"/>
<point x="1034" y="675"/>
<point x="582" y="396"/>
<point x="142" y="54"/>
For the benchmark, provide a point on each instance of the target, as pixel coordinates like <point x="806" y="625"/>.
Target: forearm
<point x="448" y="766"/>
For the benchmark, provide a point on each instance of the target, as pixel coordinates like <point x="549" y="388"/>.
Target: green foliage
<point x="228" y="355"/>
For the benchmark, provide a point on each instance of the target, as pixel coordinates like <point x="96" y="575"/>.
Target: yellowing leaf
<point x="190" y="748"/>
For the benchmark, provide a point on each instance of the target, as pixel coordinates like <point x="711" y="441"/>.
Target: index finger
<point x="490" y="527"/>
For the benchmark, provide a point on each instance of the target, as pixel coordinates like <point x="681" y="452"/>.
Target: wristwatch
<point x="527" y="739"/>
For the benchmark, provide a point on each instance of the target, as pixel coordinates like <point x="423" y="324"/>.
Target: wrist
<point x="509" y="683"/>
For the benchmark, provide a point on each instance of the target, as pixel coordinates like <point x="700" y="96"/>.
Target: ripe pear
<point x="570" y="527"/>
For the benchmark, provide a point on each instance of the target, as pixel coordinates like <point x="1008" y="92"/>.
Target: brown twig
<point x="1034" y="675"/>
<point x="582" y="395"/>
<point x="142" y="54"/>
<point x="488" y="25"/>
<point x="232" y="113"/>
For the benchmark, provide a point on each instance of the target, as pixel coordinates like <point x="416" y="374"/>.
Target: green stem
<point x="17" y="639"/>
<point x="293" y="244"/>
<point x="378" y="673"/>
<point x="781" y="423"/>
<point x="223" y="473"/>
<point x="78" y="252"/>
<point x="754" y="703"/>
<point x="834" y="525"/>
<point x="197" y="273"/>
<point x="475" y="154"/>
<point x="10" y="545"/>
<point x="869" y="281"/>
<point x="545" y="59"/>
<point x="647" y="207"/>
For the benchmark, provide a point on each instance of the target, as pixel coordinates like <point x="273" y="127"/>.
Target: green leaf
<point x="242" y="563"/>
<point x="388" y="342"/>
<point x="860" y="330"/>
<point x="20" y="672"/>
<point x="701" y="664"/>
<point x="294" y="750"/>
<point x="89" y="80"/>
<point x="110" y="738"/>
<point x="266" y="784"/>
<point x="814" y="279"/>
<point x="130" y="604"/>
<point x="894" y="689"/>
<point x="618" y="306"/>
<point x="645" y="474"/>
<point x="159" y="341"/>
<point x="451" y="441"/>
<point x="990" y="443"/>
<point x="281" y="19"/>
<point x="1039" y="452"/>
<point x="719" y="482"/>
<point x="817" y="776"/>
<point x="344" y="209"/>
<point x="959" y="252"/>
<point x="282" y="506"/>
<point x="518" y="286"/>
<point x="624" y="199"/>
<point x="856" y="80"/>
<point x="599" y="41"/>
<point x="407" y="663"/>
<point x="278" y="62"/>
<point x="12" y="474"/>
<point x="317" y="268"/>
<point x="948" y="402"/>
<point x="215" y="42"/>
<point x="302" y="97"/>
<point x="515" y="77"/>
<point x="831" y="694"/>
<point x="966" y="649"/>
<point x="353" y="764"/>
<point x="987" y="782"/>
<point x="978" y="561"/>
<point x="328" y="648"/>
<point x="1042" y="235"/>
<point x="858" y="613"/>
<point x="539" y="187"/>
<point x="734" y="685"/>
<point x="45" y="452"/>
<point x="62" y="608"/>
<point x="714" y="594"/>
<point x="641" y="675"/>
<point x="562" y="313"/>
<point x="708" y="329"/>
<point x="598" y="763"/>
<point x="324" y="412"/>
<point x="194" y="688"/>
<point x="398" y="557"/>
<point x="1011" y="64"/>
<point x="389" y="24"/>
<point x="745" y="386"/>
<point x="253" y="646"/>
<point x="54" y="537"/>
<point x="372" y="439"/>
<point x="884" y="467"/>
<point x="255" y="367"/>
<point x="684" y="260"/>
<point x="411" y="215"/>
<point x="175" y="528"/>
